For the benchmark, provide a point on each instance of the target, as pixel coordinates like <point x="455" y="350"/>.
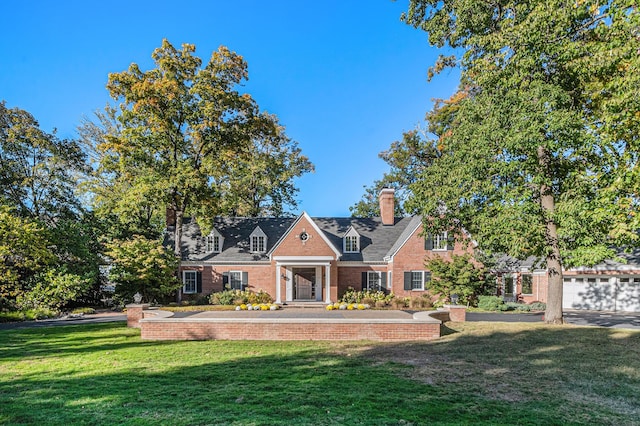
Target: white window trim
<point x="438" y="239"/>
<point x="421" y="288"/>
<point x="350" y="234"/>
<point x="184" y="282"/>
<point x="377" y="274"/>
<point x="210" y="246"/>
<point x="242" y="284"/>
<point x="258" y="234"/>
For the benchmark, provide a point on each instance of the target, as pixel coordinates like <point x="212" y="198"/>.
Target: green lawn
<point x="479" y="373"/>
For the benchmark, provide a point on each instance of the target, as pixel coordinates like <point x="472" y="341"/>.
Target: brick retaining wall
<point x="302" y="329"/>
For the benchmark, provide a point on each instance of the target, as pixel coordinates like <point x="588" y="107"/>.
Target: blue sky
<point x="345" y="78"/>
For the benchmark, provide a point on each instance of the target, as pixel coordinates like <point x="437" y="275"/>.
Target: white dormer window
<point x="214" y="242"/>
<point x="258" y="241"/>
<point x="351" y="241"/>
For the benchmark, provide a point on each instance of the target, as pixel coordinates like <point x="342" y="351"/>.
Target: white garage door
<point x="602" y="294"/>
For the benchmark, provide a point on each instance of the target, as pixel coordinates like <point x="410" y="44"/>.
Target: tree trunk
<point x="177" y="238"/>
<point x="553" y="313"/>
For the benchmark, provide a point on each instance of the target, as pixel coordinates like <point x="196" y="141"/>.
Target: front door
<point x="304" y="280"/>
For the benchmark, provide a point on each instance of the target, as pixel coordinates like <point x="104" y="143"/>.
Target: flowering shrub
<point x="235" y="297"/>
<point x="348" y="306"/>
<point x="257" y="307"/>
<point x="353" y="296"/>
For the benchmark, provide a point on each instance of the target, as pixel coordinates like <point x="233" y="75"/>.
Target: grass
<point x="491" y="373"/>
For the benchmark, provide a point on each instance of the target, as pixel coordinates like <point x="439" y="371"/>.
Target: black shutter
<point x="245" y="280"/>
<point x="427" y="278"/>
<point x="407" y="280"/>
<point x="198" y="282"/>
<point x="225" y="280"/>
<point x="364" y="281"/>
<point x="383" y="280"/>
<point x="428" y="242"/>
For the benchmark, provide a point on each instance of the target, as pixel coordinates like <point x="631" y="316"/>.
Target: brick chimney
<point x="387" y="206"/>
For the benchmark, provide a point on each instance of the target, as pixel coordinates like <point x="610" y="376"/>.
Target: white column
<point x="278" y="296"/>
<point x="327" y="269"/>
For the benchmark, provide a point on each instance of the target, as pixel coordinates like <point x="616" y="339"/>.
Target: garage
<point x="602" y="293"/>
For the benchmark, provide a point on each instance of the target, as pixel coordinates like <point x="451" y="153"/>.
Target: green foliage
<point x="459" y="276"/>
<point x="141" y="265"/>
<point x="184" y="137"/>
<point x="490" y="303"/>
<point x="53" y="289"/>
<point x="353" y="296"/>
<point x="407" y="159"/>
<point x="538" y="306"/>
<point x="24" y="251"/>
<point x="236" y="297"/>
<point x="84" y="310"/>
<point x="532" y="160"/>
<point x="38" y="171"/>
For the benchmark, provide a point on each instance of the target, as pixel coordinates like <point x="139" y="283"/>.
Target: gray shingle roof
<point x="376" y="240"/>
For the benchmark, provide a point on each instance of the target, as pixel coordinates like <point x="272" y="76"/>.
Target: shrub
<point x="380" y="304"/>
<point x="85" y="310"/>
<point x="538" y="306"/>
<point x="353" y="296"/>
<point x="490" y="303"/>
<point x="237" y="297"/>
<point x="519" y="307"/>
<point x="400" y="302"/>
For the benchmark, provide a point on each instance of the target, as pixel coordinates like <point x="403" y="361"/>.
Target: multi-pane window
<point x="235" y="280"/>
<point x="527" y="284"/>
<point x="351" y="243"/>
<point x="213" y="244"/>
<point x="258" y="244"/>
<point x="374" y="281"/>
<point x="440" y="241"/>
<point x="190" y="282"/>
<point x="417" y="280"/>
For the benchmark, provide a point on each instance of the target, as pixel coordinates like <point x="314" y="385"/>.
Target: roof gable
<point x="304" y="238"/>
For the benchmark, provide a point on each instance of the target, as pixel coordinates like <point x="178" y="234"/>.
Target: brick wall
<point x="237" y="330"/>
<point x="352" y="277"/>
<point x="412" y="257"/>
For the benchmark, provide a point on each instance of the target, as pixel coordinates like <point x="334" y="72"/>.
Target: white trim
<point x="389" y="257"/>
<point x="351" y="233"/>
<point x="224" y="263"/>
<point x="445" y="235"/>
<point x="213" y="235"/>
<point x="302" y="259"/>
<point x="184" y="284"/>
<point x="360" y="264"/>
<point x="315" y="228"/>
<point x="422" y="280"/>
<point x="258" y="233"/>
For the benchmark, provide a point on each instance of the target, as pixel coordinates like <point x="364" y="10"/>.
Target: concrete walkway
<point x="69" y="320"/>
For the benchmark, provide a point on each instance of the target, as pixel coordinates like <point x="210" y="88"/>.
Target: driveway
<point x="79" y="320"/>
<point x="629" y="320"/>
<point x="604" y="319"/>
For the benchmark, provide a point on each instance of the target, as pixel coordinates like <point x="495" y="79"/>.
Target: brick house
<point x="311" y="259"/>
<point x="612" y="285"/>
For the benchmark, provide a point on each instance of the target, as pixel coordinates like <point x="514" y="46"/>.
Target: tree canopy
<point x="183" y="137"/>
<point x="538" y="148"/>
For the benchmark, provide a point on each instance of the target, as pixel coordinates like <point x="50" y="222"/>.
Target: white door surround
<point x="285" y="266"/>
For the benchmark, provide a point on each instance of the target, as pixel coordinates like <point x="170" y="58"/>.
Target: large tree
<point x="185" y="138"/>
<point x="46" y="232"/>
<point x="537" y="143"/>
<point x="38" y="171"/>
